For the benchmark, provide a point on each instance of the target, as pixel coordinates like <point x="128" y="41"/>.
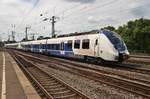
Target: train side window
<point x="57" y="47"/>
<point x="53" y="46"/>
<point x="77" y="44"/>
<point x="86" y="44"/>
<point x="43" y="46"/>
<point x="49" y="46"/>
<point x="96" y="42"/>
<point x="37" y="46"/>
<point x="69" y="45"/>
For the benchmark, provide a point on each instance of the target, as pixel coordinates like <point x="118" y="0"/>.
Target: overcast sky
<point x="73" y="15"/>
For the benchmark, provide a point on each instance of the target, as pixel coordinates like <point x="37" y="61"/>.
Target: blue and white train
<point x="97" y="45"/>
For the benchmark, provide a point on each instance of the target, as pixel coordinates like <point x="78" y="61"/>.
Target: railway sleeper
<point x="57" y="89"/>
<point x="61" y="92"/>
<point x="51" y="84"/>
<point x="41" y="94"/>
<point x="38" y="90"/>
<point x="57" y="95"/>
<point x="39" y="75"/>
<point x="42" y="78"/>
<point x="53" y="87"/>
<point x="47" y="81"/>
<point x="68" y="96"/>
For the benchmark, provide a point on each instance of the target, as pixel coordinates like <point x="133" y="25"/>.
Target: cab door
<point x="96" y="48"/>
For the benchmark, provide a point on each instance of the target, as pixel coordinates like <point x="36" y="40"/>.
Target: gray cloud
<point x="91" y="17"/>
<point x="34" y="2"/>
<point x="27" y="0"/>
<point x="141" y="9"/>
<point x="81" y="1"/>
<point x="140" y="12"/>
<point x="102" y="20"/>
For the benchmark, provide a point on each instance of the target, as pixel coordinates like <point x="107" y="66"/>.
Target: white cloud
<point x="9" y="1"/>
<point x="81" y="1"/>
<point x="81" y="15"/>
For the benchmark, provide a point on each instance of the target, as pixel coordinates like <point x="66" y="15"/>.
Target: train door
<point x="62" y="48"/>
<point x="31" y="47"/>
<point x="46" y="47"/>
<point x="40" y="48"/>
<point x="96" y="48"/>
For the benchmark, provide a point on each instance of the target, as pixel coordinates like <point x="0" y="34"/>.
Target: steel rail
<point x="133" y="83"/>
<point x="58" y="80"/>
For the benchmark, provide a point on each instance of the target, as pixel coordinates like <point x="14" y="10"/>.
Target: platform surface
<point x="13" y="83"/>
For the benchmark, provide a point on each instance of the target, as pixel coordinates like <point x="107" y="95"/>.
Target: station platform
<point x="13" y="83"/>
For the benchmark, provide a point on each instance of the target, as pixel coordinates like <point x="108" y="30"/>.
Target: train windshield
<point x="115" y="39"/>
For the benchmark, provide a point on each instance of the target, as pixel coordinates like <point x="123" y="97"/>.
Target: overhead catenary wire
<point x="113" y="12"/>
<point x="127" y="10"/>
<point x="68" y="9"/>
<point x="102" y="5"/>
<point x="27" y="14"/>
<point x="83" y="12"/>
<point x="86" y="11"/>
<point x="80" y="10"/>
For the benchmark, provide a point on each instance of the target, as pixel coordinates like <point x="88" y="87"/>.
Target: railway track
<point x="140" y="56"/>
<point x="73" y="66"/>
<point x="130" y="85"/>
<point x="125" y="66"/>
<point x="130" y="67"/>
<point x="47" y="85"/>
<point x="139" y="59"/>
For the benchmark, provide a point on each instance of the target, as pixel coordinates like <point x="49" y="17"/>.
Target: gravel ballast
<point x="94" y="90"/>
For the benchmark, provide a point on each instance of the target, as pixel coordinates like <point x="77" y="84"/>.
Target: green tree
<point x="111" y="28"/>
<point x="40" y="38"/>
<point x="136" y="35"/>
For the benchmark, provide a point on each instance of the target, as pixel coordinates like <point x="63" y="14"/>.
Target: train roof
<point x="77" y="34"/>
<point x="11" y="44"/>
<point x="61" y="36"/>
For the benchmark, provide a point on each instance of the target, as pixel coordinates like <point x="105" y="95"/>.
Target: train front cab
<point x="118" y="44"/>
